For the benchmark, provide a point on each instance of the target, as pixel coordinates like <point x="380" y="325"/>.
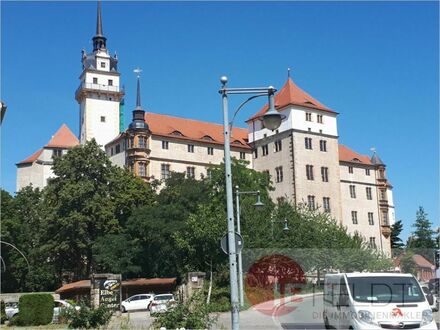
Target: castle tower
<point x="137" y="139"/>
<point x="99" y="94"/>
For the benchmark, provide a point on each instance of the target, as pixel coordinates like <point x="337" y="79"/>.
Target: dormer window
<point x="207" y="138"/>
<point x="177" y="133"/>
<point x="102" y="64"/>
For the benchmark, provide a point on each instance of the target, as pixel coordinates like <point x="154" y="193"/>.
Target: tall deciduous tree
<point x="89" y="198"/>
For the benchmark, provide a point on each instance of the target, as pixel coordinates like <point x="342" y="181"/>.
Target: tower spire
<point x="99" y="41"/>
<point x="99" y="20"/>
<point x="138" y="93"/>
<point x="138" y="121"/>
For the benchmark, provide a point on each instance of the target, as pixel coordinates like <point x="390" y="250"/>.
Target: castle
<point x="303" y="156"/>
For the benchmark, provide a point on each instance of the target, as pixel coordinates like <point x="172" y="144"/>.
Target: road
<point x="294" y="313"/>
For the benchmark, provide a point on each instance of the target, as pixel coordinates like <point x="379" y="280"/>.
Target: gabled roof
<point x="348" y="155"/>
<point x="63" y="138"/>
<point x="291" y="94"/>
<point x="194" y="130"/>
<point x="32" y="158"/>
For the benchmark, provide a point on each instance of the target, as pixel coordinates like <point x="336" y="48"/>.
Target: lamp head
<point x="224" y="80"/>
<point x="286" y="228"/>
<point x="272" y="118"/>
<point x="259" y="204"/>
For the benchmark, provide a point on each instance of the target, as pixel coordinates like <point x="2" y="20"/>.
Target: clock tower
<point x="99" y="94"/>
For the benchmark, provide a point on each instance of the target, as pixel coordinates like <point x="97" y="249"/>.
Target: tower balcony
<point x="86" y="87"/>
<point x="385" y="229"/>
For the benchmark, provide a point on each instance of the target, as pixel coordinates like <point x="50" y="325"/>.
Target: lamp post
<point x="271" y="120"/>
<point x="257" y="204"/>
<point x="285" y="227"/>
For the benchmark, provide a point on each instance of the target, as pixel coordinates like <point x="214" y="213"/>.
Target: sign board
<point x="238" y="243"/>
<point x="109" y="292"/>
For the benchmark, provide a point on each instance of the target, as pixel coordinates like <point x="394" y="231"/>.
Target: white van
<point x="375" y="301"/>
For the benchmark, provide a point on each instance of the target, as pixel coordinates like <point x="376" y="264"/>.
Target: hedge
<point x="35" y="309"/>
<point x="3" y="317"/>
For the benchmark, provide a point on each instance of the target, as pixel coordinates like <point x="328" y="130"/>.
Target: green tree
<point x="89" y="198"/>
<point x="24" y="225"/>
<point x="407" y="264"/>
<point x="422" y="241"/>
<point x="396" y="243"/>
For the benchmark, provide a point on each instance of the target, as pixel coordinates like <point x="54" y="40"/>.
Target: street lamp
<point x="258" y="204"/>
<point x="285" y="227"/>
<point x="271" y="120"/>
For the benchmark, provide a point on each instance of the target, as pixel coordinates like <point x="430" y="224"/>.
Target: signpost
<point x="238" y="243"/>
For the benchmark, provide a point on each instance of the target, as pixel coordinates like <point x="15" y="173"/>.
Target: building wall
<point x="318" y="159"/>
<point x="92" y="126"/>
<point x="178" y="157"/>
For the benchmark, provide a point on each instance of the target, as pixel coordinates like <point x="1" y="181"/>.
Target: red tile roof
<point x="32" y="158"/>
<point x="63" y="138"/>
<point x="291" y="94"/>
<point x="85" y="284"/>
<point x="194" y="130"/>
<point x="348" y="155"/>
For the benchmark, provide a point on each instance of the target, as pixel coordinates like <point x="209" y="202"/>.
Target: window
<point x="311" y="202"/>
<point x="324" y="174"/>
<point x="165" y="144"/>
<point x="323" y="145"/>
<point x="319" y="118"/>
<point x="256" y="153"/>
<point x="95" y="80"/>
<point x="370" y="219"/>
<point x="309" y="172"/>
<point x="57" y="153"/>
<point x="308" y="143"/>
<point x="142" y="142"/>
<point x="350" y="169"/>
<point x="118" y="149"/>
<point x="210" y="151"/>
<point x="383" y="195"/>
<point x="326" y="204"/>
<point x="369" y="195"/>
<point x="110" y="82"/>
<point x="191" y="172"/>
<point x="131" y="141"/>
<point x="352" y="191"/>
<point x="209" y="173"/>
<point x="165" y="171"/>
<point x="278" y="145"/>
<point x="265" y="150"/>
<point x="367" y="171"/>
<point x="381" y="174"/>
<point x="373" y="242"/>
<point x="308" y="116"/>
<point x="354" y="217"/>
<point x="102" y="64"/>
<point x="242" y="155"/>
<point x="190" y="147"/>
<point x="385" y="221"/>
<point x="102" y="119"/>
<point x="279" y="173"/>
<point x="142" y="169"/>
<point x="111" y="151"/>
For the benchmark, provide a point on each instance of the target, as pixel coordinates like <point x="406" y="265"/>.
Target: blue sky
<point x="376" y="63"/>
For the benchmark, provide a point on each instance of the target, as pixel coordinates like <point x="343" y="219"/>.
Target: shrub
<point x="35" y="309"/>
<point x="87" y="318"/>
<point x="3" y="317"/>
<point x="192" y="314"/>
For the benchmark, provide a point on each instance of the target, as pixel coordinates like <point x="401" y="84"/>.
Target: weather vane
<point x="288" y="72"/>
<point x="137" y="71"/>
<point x="373" y="149"/>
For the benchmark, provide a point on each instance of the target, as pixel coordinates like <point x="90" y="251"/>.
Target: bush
<point x="87" y="318"/>
<point x="3" y="316"/>
<point x="192" y="314"/>
<point x="35" y="309"/>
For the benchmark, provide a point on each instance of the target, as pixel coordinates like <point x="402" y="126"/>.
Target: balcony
<point x="85" y="86"/>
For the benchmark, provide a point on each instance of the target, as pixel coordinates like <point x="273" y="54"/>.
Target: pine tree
<point x="396" y="243"/>
<point x="422" y="241"/>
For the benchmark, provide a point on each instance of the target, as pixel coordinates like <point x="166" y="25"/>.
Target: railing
<point x="99" y="87"/>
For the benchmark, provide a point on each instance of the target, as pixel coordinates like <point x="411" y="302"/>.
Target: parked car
<point x="59" y="306"/>
<point x="11" y="309"/>
<point x="162" y="303"/>
<point x="137" y="302"/>
<point x="431" y="298"/>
